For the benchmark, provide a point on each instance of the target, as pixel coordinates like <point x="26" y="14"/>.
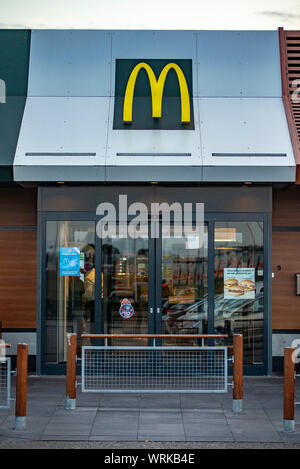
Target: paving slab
<point x="111" y="424"/>
<point x="159" y="417"/>
<point x="208" y="430"/>
<point x="114" y="438"/>
<point x="262" y="437"/>
<point x="56" y="437"/>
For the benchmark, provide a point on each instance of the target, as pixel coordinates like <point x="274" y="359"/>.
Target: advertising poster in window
<point x="69" y="262"/>
<point x="239" y="283"/>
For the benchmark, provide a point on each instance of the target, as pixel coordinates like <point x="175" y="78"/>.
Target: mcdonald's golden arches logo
<point x="153" y="94"/>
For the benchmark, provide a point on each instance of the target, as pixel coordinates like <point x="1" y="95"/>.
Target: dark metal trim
<point x="151" y="286"/>
<point x="158" y="281"/>
<point x="153" y="154"/>
<point x="59" y="154"/>
<point x="211" y="276"/>
<point x="17" y="228"/>
<point x="41" y="293"/>
<point x="285" y="229"/>
<point x="265" y="155"/>
<point x="98" y="285"/>
<point x="268" y="293"/>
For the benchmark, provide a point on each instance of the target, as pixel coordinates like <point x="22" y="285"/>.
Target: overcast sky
<point x="150" y="14"/>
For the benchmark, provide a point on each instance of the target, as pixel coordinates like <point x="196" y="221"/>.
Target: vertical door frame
<point x="151" y="287"/>
<point x="158" y="282"/>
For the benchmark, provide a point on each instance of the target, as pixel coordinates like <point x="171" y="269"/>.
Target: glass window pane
<point x="70" y="284"/>
<point x="125" y="288"/>
<point x="184" y="287"/>
<point x="239" y="287"/>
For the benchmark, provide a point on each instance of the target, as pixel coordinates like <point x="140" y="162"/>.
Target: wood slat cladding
<point x="290" y="74"/>
<point x="286" y="207"/>
<point x="285" y="302"/>
<point x="18" y="264"/>
<point x="18" y="257"/>
<point x="18" y="207"/>
<point x="286" y="257"/>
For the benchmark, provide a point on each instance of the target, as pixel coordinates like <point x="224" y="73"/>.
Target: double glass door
<point x="166" y="285"/>
<point x="159" y="280"/>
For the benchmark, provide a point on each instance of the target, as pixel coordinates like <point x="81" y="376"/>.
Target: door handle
<point x="158" y="310"/>
<point x="151" y="310"/>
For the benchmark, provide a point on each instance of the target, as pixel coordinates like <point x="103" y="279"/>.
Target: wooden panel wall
<point x="286" y="207"/>
<point x="18" y="257"/>
<point x="18" y="279"/>
<point x="18" y="207"/>
<point x="286" y="304"/>
<point x="286" y="255"/>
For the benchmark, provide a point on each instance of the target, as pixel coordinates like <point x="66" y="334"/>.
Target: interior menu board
<point x="239" y="282"/>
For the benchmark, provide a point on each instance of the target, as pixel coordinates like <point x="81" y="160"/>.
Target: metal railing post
<point x="289" y="391"/>
<point x="21" y="387"/>
<point x="238" y="390"/>
<point x="71" y="372"/>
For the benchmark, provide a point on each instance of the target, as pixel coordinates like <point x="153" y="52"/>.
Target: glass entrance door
<point x="127" y="288"/>
<point x="71" y="288"/>
<point x="239" y="296"/>
<point x="163" y="283"/>
<point x="182" y="286"/>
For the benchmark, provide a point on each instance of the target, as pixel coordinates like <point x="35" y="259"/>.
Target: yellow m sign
<point x="157" y="89"/>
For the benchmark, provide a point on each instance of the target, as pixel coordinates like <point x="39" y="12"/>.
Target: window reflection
<point x="239" y="247"/>
<point x="70" y="299"/>
<point x="125" y="277"/>
<point x="184" y="287"/>
<point x="70" y="296"/>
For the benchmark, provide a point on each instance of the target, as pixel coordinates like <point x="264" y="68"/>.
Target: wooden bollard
<point x="21" y="389"/>
<point x="71" y="372"/>
<point x="289" y="390"/>
<point x="238" y="390"/>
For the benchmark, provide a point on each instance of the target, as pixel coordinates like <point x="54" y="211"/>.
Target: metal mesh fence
<point x="154" y="369"/>
<point x="5" y="383"/>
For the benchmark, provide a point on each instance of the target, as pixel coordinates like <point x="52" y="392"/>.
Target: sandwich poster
<point x="239" y="283"/>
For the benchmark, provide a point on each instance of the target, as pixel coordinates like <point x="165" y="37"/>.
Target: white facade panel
<point x="154" y="147"/>
<point x="281" y="341"/>
<point x="15" y="338"/>
<point x="154" y="45"/>
<point x="59" y="126"/>
<point x="70" y="63"/>
<point x="244" y="132"/>
<point x="238" y="63"/>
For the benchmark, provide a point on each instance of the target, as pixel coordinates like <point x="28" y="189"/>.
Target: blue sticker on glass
<point x="69" y="262"/>
<point x="126" y="309"/>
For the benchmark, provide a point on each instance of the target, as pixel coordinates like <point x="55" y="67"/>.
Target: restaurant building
<point x="158" y="117"/>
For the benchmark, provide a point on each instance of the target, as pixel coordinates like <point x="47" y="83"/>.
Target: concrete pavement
<point x="151" y="418"/>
